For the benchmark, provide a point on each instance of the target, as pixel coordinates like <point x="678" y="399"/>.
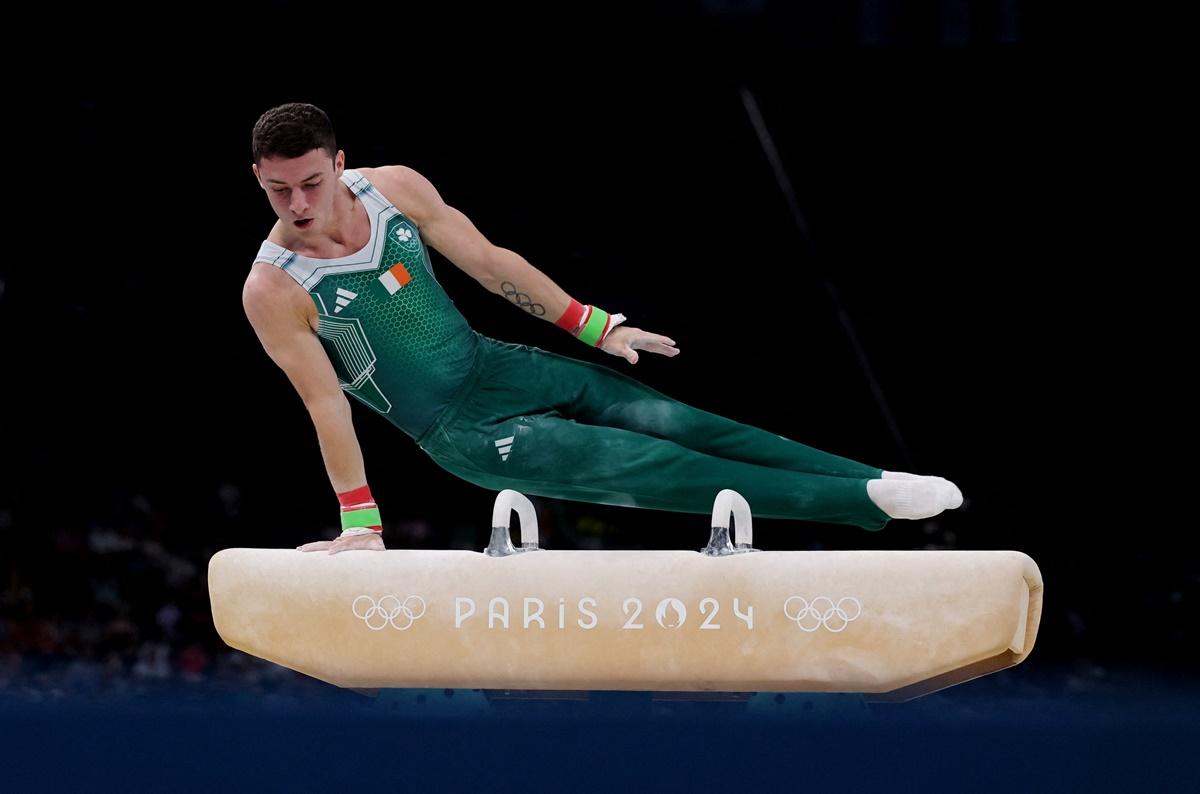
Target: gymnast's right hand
<point x="371" y="542"/>
<point x="362" y="527"/>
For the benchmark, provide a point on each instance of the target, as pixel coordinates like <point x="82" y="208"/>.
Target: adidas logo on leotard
<point x="343" y="299"/>
<point x="505" y="446"/>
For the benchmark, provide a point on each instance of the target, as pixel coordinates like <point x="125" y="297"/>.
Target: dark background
<point x="969" y="179"/>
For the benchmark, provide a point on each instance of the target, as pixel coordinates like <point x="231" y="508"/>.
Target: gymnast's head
<point x="298" y="164"/>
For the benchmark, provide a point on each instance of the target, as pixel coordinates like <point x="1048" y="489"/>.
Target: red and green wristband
<point x="590" y="324"/>
<point x="360" y="514"/>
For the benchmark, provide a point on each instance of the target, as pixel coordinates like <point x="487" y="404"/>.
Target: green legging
<point x="548" y="425"/>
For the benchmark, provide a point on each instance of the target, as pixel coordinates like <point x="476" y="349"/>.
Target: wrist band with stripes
<point x="589" y="323"/>
<point x="360" y="514"/>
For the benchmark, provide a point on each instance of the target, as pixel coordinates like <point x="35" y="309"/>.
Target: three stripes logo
<point x="504" y="446"/>
<point x="344" y="296"/>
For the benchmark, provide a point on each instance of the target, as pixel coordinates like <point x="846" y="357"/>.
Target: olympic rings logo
<point x="808" y="613"/>
<point x="378" y="613"/>
<point x="521" y="299"/>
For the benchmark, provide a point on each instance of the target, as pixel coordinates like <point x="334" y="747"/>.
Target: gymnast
<point x="344" y="300"/>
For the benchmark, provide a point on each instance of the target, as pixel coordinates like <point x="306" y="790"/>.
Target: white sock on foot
<point x="919" y="497"/>
<point x="956" y="501"/>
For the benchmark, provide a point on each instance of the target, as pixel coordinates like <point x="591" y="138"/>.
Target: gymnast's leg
<point x="598" y="395"/>
<point x="563" y="459"/>
<point x="582" y="431"/>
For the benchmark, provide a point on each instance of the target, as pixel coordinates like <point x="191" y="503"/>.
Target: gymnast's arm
<point x="290" y="342"/>
<point x="499" y="270"/>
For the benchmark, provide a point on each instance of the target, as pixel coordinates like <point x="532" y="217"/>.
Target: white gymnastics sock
<point x="903" y="475"/>
<point x="919" y="497"/>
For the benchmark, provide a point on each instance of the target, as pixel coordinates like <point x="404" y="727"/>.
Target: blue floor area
<point x="996" y="734"/>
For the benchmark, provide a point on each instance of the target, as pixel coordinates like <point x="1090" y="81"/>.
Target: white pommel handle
<point x="731" y="503"/>
<point x="507" y="501"/>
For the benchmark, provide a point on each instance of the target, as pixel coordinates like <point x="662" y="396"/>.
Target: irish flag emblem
<point x="395" y="278"/>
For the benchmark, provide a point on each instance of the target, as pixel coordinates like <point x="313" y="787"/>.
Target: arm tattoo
<point x="521" y="299"/>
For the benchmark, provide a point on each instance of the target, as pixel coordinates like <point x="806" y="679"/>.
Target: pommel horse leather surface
<point x="898" y="624"/>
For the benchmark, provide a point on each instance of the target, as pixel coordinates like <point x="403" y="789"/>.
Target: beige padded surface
<point x="919" y="620"/>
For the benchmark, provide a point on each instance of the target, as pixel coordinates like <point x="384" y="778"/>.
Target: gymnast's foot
<point x="903" y="475"/>
<point x="919" y="497"/>
<point x="372" y="542"/>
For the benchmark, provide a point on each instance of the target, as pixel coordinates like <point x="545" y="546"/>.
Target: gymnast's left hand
<point x="625" y="341"/>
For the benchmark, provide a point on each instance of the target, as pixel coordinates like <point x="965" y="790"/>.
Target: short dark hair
<point x="292" y="130"/>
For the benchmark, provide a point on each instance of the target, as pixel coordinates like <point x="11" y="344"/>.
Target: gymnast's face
<point x="302" y="189"/>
